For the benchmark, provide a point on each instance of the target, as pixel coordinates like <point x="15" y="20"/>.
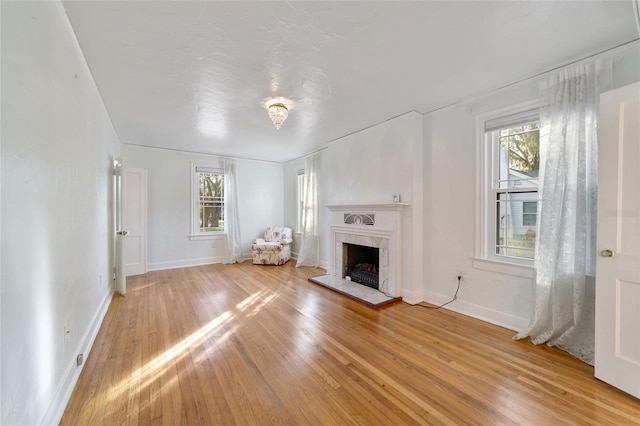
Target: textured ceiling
<point x="194" y="75"/>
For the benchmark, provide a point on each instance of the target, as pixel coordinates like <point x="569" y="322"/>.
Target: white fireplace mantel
<point x="384" y="231"/>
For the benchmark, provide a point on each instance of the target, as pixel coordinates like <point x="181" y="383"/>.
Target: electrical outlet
<point x="462" y="274"/>
<point x="79" y="360"/>
<point x="67" y="332"/>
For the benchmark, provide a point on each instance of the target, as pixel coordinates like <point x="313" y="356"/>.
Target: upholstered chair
<point x="274" y="248"/>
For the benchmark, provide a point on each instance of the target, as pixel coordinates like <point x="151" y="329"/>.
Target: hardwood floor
<point x="246" y="344"/>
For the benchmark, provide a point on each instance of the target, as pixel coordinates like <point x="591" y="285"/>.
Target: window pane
<point x="516" y="225"/>
<point x="211" y="201"/>
<point x="529" y="213"/>
<point x="519" y="156"/>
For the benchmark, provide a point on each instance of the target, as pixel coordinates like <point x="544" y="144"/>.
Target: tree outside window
<point x="211" y="202"/>
<point x="516" y="189"/>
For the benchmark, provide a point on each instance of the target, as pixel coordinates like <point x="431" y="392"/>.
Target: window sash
<point x="513" y="189"/>
<point x="512" y="237"/>
<point x="208" y="217"/>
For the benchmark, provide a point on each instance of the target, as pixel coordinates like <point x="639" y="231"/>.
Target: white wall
<point x="368" y="167"/>
<point x="450" y="214"/>
<point x="260" y="203"/>
<point x="57" y="148"/>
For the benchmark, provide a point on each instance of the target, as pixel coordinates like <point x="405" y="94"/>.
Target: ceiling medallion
<point x="278" y="110"/>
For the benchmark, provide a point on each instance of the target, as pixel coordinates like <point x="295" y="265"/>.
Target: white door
<point x="617" y="345"/>
<point x="135" y="218"/>
<point x="118" y="229"/>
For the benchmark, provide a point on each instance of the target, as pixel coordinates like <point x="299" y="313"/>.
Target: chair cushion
<point x="267" y="246"/>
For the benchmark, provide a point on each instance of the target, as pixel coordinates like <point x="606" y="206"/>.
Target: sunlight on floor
<point x="147" y="374"/>
<point x="154" y="368"/>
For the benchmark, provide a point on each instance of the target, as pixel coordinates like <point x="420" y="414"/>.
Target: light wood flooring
<point x="247" y="344"/>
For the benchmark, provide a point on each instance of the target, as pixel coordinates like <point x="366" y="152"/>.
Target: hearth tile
<point x="367" y="295"/>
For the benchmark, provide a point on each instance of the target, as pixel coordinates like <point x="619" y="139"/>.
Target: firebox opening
<point x="361" y="264"/>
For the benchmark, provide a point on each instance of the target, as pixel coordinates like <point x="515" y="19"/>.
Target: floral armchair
<point x="274" y="248"/>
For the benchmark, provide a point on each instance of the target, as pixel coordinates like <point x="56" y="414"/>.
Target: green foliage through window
<point x="211" y="200"/>
<point x="522" y="146"/>
<point x="516" y="188"/>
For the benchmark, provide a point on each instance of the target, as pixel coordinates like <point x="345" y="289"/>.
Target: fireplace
<point x="361" y="264"/>
<point x="377" y="229"/>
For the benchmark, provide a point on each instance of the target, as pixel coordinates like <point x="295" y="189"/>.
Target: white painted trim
<point x="412" y="297"/>
<point x="482" y="313"/>
<point x="184" y="263"/>
<point x="70" y="377"/>
<point x="484" y="181"/>
<point x="215" y="166"/>
<point x="504" y="268"/>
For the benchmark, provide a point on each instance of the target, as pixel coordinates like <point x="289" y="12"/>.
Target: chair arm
<point x="286" y="241"/>
<point x="259" y="241"/>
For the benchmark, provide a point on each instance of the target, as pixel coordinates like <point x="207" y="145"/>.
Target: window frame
<point x="300" y="182"/>
<point x="487" y="212"/>
<point x="196" y="169"/>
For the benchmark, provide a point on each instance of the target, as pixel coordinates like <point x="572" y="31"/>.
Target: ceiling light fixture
<point x="278" y="113"/>
<point x="278" y="109"/>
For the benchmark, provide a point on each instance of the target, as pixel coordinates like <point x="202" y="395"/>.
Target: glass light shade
<point x="278" y="113"/>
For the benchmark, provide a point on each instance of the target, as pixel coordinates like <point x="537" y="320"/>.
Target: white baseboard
<point x="322" y="264"/>
<point x="184" y="263"/>
<point x="71" y="374"/>
<point x="412" y="297"/>
<point x="482" y="313"/>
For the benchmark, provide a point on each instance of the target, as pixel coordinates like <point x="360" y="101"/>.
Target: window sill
<point x="504" y="268"/>
<point x="207" y="237"/>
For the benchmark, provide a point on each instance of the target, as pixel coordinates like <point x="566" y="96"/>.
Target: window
<point x="530" y="213"/>
<point x="299" y="199"/>
<point x="208" y="211"/>
<point x="512" y="162"/>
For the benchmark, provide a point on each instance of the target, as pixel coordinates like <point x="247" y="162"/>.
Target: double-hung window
<point x="511" y="165"/>
<point x="207" y="200"/>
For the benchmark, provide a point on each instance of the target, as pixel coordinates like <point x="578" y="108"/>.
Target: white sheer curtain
<point x="564" y="311"/>
<point x="233" y="252"/>
<point x="309" y="254"/>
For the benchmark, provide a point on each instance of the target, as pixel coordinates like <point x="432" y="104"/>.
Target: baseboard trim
<point x="482" y="313"/>
<point x="61" y="397"/>
<point x="412" y="297"/>
<point x="184" y="263"/>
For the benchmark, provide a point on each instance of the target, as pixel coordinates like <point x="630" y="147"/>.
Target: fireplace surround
<point x="383" y="232"/>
